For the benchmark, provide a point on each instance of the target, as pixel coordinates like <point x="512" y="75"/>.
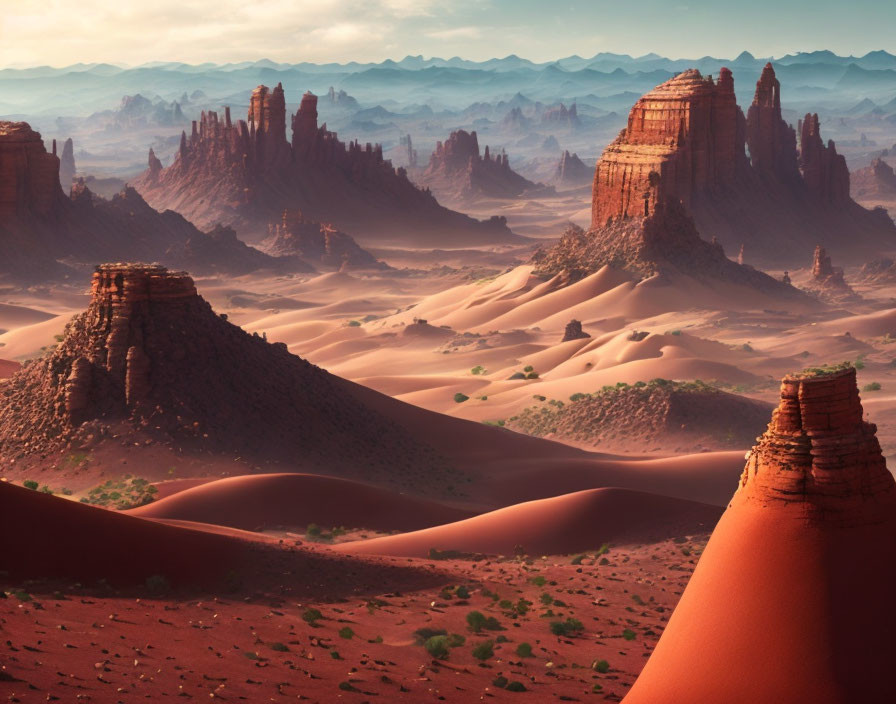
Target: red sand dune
<point x="252" y="501"/>
<point x="563" y="524"/>
<point x="50" y="537"/>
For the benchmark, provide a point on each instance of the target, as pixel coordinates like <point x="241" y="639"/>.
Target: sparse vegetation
<point x="30" y="484"/>
<point x="569" y="627"/>
<point x="477" y="370"/>
<point x="873" y="386"/>
<point x="478" y="621"/>
<point x="437" y="646"/>
<point x="484" y="650"/>
<point x="312" y="616"/>
<point x="601" y="666"/>
<point x="524" y="650"/>
<point x="460" y="398"/>
<point x="127" y="492"/>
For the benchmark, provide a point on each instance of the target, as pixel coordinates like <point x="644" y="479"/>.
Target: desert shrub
<point x="421" y="635"/>
<point x="873" y="386"/>
<point x="628" y="634"/>
<point x="437" y="646"/>
<point x="279" y="647"/>
<point x="460" y="398"/>
<point x="121" y="494"/>
<point x="524" y="650"/>
<point x="577" y="560"/>
<point x="478" y="369"/>
<point x="455" y="640"/>
<point x="484" y="650"/>
<point x="348" y="687"/>
<point x="346" y="633"/>
<point x="30" y="484"/>
<point x="515" y="376"/>
<point x="601" y="666"/>
<point x="578" y="397"/>
<point x="354" y="323"/>
<point x="500" y="681"/>
<point x="462" y="592"/>
<point x="571" y="626"/>
<point x="528" y="368"/>
<point x="312" y="616"/>
<point x="515" y="687"/>
<point x="532" y="375"/>
<point x="538" y="581"/>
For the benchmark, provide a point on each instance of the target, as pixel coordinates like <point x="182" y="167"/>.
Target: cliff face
<point x="246" y="174"/>
<point x="875" y="181"/>
<point x="458" y="170"/>
<point x="784" y="603"/>
<point x="150" y="362"/>
<point x="40" y="225"/>
<point x="686" y="140"/>
<point x="67" y="165"/>
<point x="572" y="170"/>
<point x="29" y="176"/>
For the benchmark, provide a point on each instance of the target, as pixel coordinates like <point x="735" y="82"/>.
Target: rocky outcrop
<point x="246" y="173"/>
<point x="875" y="181"/>
<point x="686" y="140"/>
<point x="824" y="170"/>
<point x="150" y="363"/>
<point x="571" y="170"/>
<point x="827" y="280"/>
<point x="29" y="176"/>
<point x="815" y="505"/>
<point x="561" y="116"/>
<point x="574" y="331"/>
<point x="665" y="240"/>
<point x="39" y="225"/>
<point x="458" y="170"/>
<point x="318" y="243"/>
<point x="67" y="165"/>
<point x="879" y="271"/>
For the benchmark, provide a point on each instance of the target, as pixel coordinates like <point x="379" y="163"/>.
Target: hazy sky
<point x="61" y="32"/>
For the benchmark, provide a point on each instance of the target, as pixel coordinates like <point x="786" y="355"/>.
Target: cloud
<point x="457" y="33"/>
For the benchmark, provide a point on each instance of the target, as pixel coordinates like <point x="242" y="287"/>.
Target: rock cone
<point x="789" y="600"/>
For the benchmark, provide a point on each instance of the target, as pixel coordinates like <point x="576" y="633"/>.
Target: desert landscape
<point x="343" y="378"/>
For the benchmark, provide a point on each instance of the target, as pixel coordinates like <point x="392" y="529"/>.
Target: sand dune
<point x="8" y="368"/>
<point x="560" y="525"/>
<point x="268" y="500"/>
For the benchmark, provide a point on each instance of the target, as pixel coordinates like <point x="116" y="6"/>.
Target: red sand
<point x="268" y="500"/>
<point x="803" y="617"/>
<point x="7" y="368"/>
<point x="560" y="525"/>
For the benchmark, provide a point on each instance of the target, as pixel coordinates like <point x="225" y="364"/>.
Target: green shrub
<point x="500" y="681"/>
<point x="460" y="398"/>
<point x="279" y="647"/>
<point x="873" y="386"/>
<point x="484" y="650"/>
<point x="478" y="369"/>
<point x="30" y="484"/>
<point x="601" y="666"/>
<point x="524" y="650"/>
<point x="532" y="375"/>
<point x="477" y="621"/>
<point x="516" y="687"/>
<point x="312" y="616"/>
<point x="354" y="323"/>
<point x="455" y="640"/>
<point x="462" y="592"/>
<point x="346" y="633"/>
<point x="569" y="627"/>
<point x="437" y="646"/>
<point x="421" y="635"/>
<point x="628" y="634"/>
<point x="529" y="368"/>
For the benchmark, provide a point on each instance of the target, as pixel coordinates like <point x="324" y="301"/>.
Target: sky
<point x="129" y="32"/>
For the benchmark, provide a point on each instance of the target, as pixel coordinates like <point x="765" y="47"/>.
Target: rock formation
<point x="572" y="170"/>
<point x="665" y="240"/>
<point x="150" y="363"/>
<point x="317" y="243"/>
<point x="459" y="171"/>
<point x="875" y="181"/>
<point x="246" y="173"/>
<point x="67" y="165"/>
<point x="561" y="116"/>
<point x="785" y="603"/>
<point x="828" y="280"/>
<point x="39" y="225"/>
<point x="29" y="176"/>
<point x="574" y="331"/>
<point x="685" y="141"/>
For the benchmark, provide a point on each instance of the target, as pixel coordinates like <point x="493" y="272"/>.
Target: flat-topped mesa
<point x="818" y="453"/>
<point x="29" y="176"/>
<point x="770" y="140"/>
<point x="687" y="131"/>
<point x="824" y="170"/>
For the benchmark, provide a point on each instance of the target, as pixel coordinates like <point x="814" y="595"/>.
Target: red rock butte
<point x="245" y="174"/>
<point x="789" y="602"/>
<point x="29" y="176"/>
<point x="687" y="140"/>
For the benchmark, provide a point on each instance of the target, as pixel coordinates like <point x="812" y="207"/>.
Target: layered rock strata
<point x="245" y="173"/>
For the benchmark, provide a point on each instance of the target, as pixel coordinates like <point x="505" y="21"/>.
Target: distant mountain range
<point x="455" y="83"/>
